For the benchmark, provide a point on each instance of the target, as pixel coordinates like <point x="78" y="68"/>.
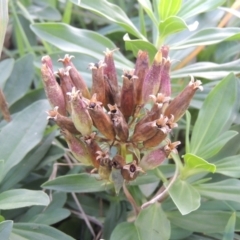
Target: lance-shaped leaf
<point x="4" y="21"/>
<point x="215" y="116"/>
<point x="230" y="228"/>
<point x="228" y="189"/>
<point x="209" y="36"/>
<point x="5" y="229"/>
<point x="168" y="8"/>
<point x="112" y="12"/>
<point x="23" y="133"/>
<point x="17" y="198"/>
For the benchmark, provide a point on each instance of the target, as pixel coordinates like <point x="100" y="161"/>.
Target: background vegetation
<point x="204" y="201"/>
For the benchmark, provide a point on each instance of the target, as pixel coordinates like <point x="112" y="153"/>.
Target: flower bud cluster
<point x="117" y="117"/>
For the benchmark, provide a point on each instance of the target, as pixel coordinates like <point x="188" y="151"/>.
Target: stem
<point x="123" y="150"/>
<point x="160" y="175"/>
<point x="188" y="124"/>
<point x="67" y="12"/>
<point x="131" y="199"/>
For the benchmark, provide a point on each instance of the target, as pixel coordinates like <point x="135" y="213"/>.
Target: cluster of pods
<point x="118" y="130"/>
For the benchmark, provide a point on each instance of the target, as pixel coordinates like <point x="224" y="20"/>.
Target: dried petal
<point x="165" y="51"/>
<point x="130" y="171"/>
<point x="77" y="79"/>
<point x="118" y="162"/>
<point x="171" y="147"/>
<point x="52" y="89"/>
<point x="180" y="103"/>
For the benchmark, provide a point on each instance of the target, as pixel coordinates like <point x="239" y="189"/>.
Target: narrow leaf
<point x="112" y="12"/>
<point x="35" y="231"/>
<point x="229" y="166"/>
<point x="24" y="132"/>
<point x="147" y="6"/>
<point x="6" y="67"/>
<point x="230" y="228"/>
<point x="215" y="115"/>
<point x="185" y="197"/>
<point x="224" y="190"/>
<point x="78" y="183"/>
<point x="208" y="70"/>
<point x="208" y="36"/>
<point x="192" y="8"/>
<point x="72" y="39"/>
<point x="20" y="79"/>
<point x="18" y="198"/>
<point x="5" y="229"/>
<point x="3" y="21"/>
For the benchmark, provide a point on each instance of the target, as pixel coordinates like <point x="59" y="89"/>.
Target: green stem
<point x="123" y="150"/>
<point x="20" y="29"/>
<point x="142" y="21"/>
<point x="160" y="175"/>
<point x="188" y="124"/>
<point x="67" y="12"/>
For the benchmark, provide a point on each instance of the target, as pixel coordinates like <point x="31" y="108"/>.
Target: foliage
<point x="40" y="200"/>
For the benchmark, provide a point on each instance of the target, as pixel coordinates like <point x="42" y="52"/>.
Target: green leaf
<point x="207" y="70"/>
<point x="152" y="223"/>
<point x="168" y="8"/>
<point x="194" y="162"/>
<point x="35" y="231"/>
<point x="24" y="132"/>
<point x="21" y="77"/>
<point x="229" y="166"/>
<point x="6" y="67"/>
<point x="208" y="221"/>
<point x="1" y="169"/>
<point x="78" y="183"/>
<point x="112" y="12"/>
<point x="208" y="36"/>
<point x="17" y="198"/>
<point x="5" y="229"/>
<point x="30" y="161"/>
<point x="117" y="179"/>
<point x="4" y="22"/>
<point x="216" y="145"/>
<point x="215" y="115"/>
<point x="228" y="189"/>
<point x="230" y="228"/>
<point x="185" y="197"/>
<point x="171" y="25"/>
<point x="72" y="39"/>
<point x="192" y="8"/>
<point x="137" y="44"/>
<point x="147" y="6"/>
<point x="126" y="231"/>
<point x="116" y="214"/>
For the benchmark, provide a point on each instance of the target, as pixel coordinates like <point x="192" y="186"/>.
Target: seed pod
<point x="152" y="79"/>
<point x="62" y="121"/>
<point x="101" y="120"/>
<point x="105" y="168"/>
<point x="77" y="79"/>
<point x="127" y="94"/>
<point x="80" y="114"/>
<point x="141" y="69"/>
<point x="161" y="134"/>
<point x="171" y="148"/>
<point x="119" y="123"/>
<point x="52" y="89"/>
<point x="130" y="171"/>
<point x="48" y="61"/>
<point x="98" y="81"/>
<point x="66" y="85"/>
<point x="153" y="159"/>
<point x="77" y="148"/>
<point x="165" y="86"/>
<point x="92" y="148"/>
<point x="180" y="103"/>
<point x="144" y="131"/>
<point x="111" y="82"/>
